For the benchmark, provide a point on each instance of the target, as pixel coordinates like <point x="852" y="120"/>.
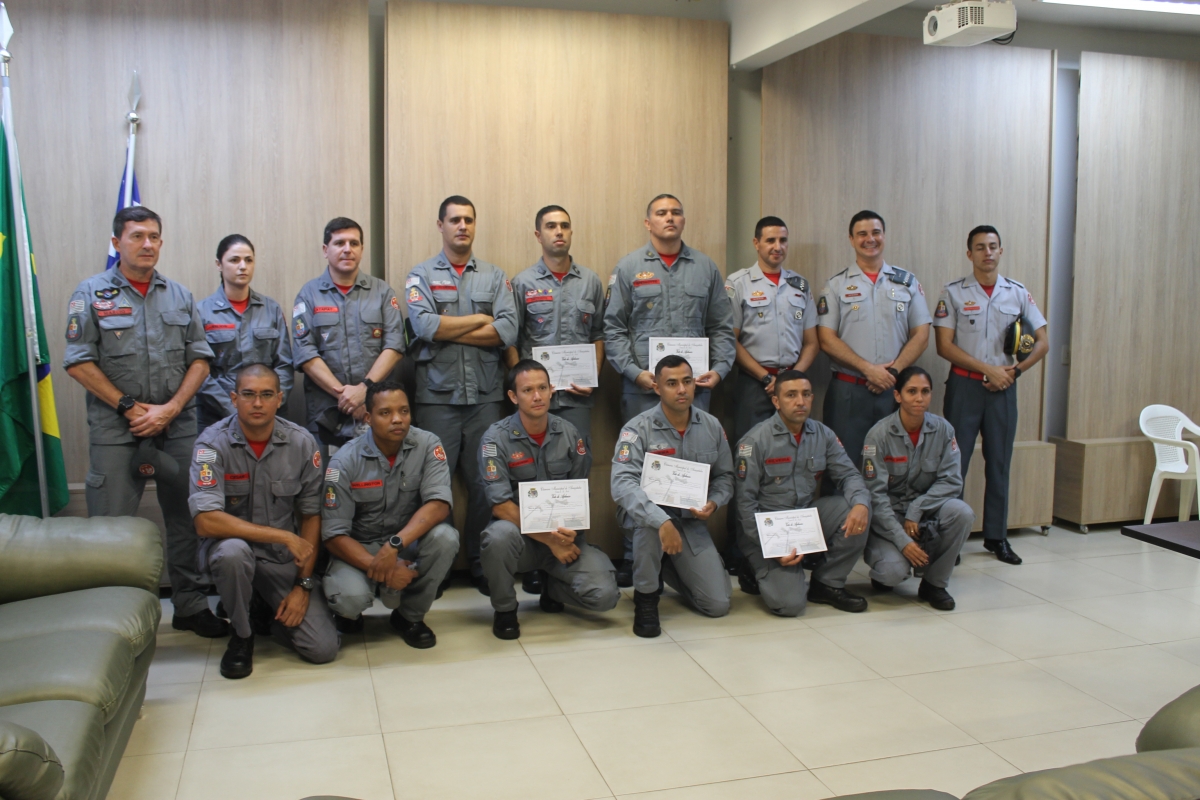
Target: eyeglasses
<point x="250" y="396"/>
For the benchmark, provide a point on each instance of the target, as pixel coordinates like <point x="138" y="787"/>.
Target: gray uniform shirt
<point x="368" y="499"/>
<point x="143" y="345"/>
<point x="649" y="433"/>
<point x="872" y="319"/>
<point x="646" y="298"/>
<point x="269" y="490"/>
<point x="258" y="336"/>
<point x="774" y="473"/>
<point x="550" y="312"/>
<point x="771" y="319"/>
<point x="980" y="322"/>
<point x="348" y="332"/>
<point x="508" y="456"/>
<point x="449" y="373"/>
<point x="907" y="480"/>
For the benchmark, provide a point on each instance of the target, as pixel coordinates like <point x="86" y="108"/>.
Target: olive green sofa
<point x="79" y="610"/>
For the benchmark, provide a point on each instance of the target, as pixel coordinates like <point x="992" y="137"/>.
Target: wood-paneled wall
<point x="1137" y="244"/>
<point x="937" y="140"/>
<point x="518" y="108"/>
<point x="255" y="121"/>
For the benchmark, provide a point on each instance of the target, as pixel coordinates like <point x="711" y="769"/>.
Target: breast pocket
<point x="266" y="343"/>
<point x="175" y="324"/>
<point x="372" y="332"/>
<point x="798" y="305"/>
<point x="120" y="356"/>
<point x="776" y="487"/>
<point x="446" y="298"/>
<point x="646" y="303"/>
<point x="283" y="503"/>
<point x="926" y="475"/>
<point x="558" y="468"/>
<point x="1007" y="311"/>
<point x="482" y="302"/>
<point x="224" y="347"/>
<point x="695" y="302"/>
<point x="585" y="311"/>
<point x="524" y="469"/>
<point x="539" y="322"/>
<point x="328" y="332"/>
<point x="237" y="499"/>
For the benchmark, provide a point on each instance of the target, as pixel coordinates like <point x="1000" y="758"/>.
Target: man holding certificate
<point x="780" y="463"/>
<point x="535" y="467"/>
<point x="560" y="320"/>
<point x="671" y="471"/>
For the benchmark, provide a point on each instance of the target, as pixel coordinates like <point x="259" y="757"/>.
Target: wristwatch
<point x="307" y="584"/>
<point x="765" y="380"/>
<point x="396" y="542"/>
<point x="125" y="403"/>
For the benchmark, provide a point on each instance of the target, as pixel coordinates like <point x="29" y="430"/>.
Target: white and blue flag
<point x="124" y="200"/>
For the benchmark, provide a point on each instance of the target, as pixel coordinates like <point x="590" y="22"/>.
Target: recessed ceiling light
<point x="1135" y="5"/>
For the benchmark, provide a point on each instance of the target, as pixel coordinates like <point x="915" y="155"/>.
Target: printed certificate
<point x="548" y="505"/>
<point x="694" y="350"/>
<point x="781" y="532"/>
<point x="675" y="482"/>
<point x="569" y="363"/>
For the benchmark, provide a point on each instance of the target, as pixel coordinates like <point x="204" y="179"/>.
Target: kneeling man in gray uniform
<point x="673" y="546"/>
<point x="780" y="463"/>
<point x="252" y="476"/>
<point x="383" y="518"/>
<point x="535" y="445"/>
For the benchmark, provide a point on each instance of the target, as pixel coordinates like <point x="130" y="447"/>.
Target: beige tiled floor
<point x="1049" y="663"/>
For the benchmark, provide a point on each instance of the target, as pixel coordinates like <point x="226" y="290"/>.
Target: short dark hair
<point x="134" y="214"/>
<point x="256" y="370"/>
<point x="341" y="224"/>
<point x="981" y="229"/>
<point x="670" y="362"/>
<point x="768" y="222"/>
<point x="663" y="196"/>
<point x="790" y="375"/>
<point x="229" y="241"/>
<point x="537" y="220"/>
<point x="520" y="368"/>
<point x="908" y="373"/>
<point x="454" y="200"/>
<point x="380" y="387"/>
<point x="863" y="215"/>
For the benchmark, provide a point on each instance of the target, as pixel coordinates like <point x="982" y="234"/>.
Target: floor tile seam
<point x="380" y="668"/>
<point x="805" y="688"/>
<point x="588" y="753"/>
<point x="533" y="665"/>
<point x="1064" y="730"/>
<point x="1140" y="590"/>
<point x="427" y="728"/>
<point x="934" y="711"/>
<point x="814" y="770"/>
<point x="771" y="733"/>
<point x="191" y="724"/>
<point x="727" y="780"/>
<point x="623" y="645"/>
<point x="191" y="749"/>
<point x="848" y="654"/>
<point x="1068" y="610"/>
<point x="244" y="682"/>
<point x="1033" y="663"/>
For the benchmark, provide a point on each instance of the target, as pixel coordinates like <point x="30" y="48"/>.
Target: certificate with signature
<point x="569" y="363"/>
<point x="781" y="532"/>
<point x="694" y="350"/>
<point x="675" y="482"/>
<point x="547" y="506"/>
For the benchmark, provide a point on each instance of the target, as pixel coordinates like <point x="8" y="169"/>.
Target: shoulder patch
<point x="489" y="450"/>
<point x="745" y="449"/>
<point x="822" y="306"/>
<point x="333" y="475"/>
<point x="439" y="453"/>
<point x="206" y="479"/>
<point x="741" y="469"/>
<point x="76" y="306"/>
<point x="580" y="448"/>
<point x="954" y="443"/>
<point x="317" y="459"/>
<point x="612" y="278"/>
<point x="395" y="303"/>
<point x="623" y="454"/>
<point x="299" y="308"/>
<point x="411" y="281"/>
<point x="331" y="499"/>
<point x="206" y="456"/>
<point x="868" y="450"/>
<point x="627" y="436"/>
<point x="868" y="469"/>
<point x="901" y="276"/>
<point x="300" y="328"/>
<point x="414" y="295"/>
<point x="491" y="472"/>
<point x="74" y="328"/>
<point x="942" y="312"/>
<point x="729" y="290"/>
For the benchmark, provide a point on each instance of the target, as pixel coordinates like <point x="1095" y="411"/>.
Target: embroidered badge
<point x="376" y="333"/>
<point x="491" y="471"/>
<point x="375" y="484"/>
<point x="489" y="450"/>
<point x="869" y="450"/>
<point x="299" y="309"/>
<point x="941" y="312"/>
<point x="868" y="469"/>
<point x="206" y="478"/>
<point x="206" y="456"/>
<point x="394" y="302"/>
<point x="439" y="453"/>
<point x="76" y="307"/>
<point x="954" y="444"/>
<point x="623" y="453"/>
<point x="414" y="296"/>
<point x="580" y="448"/>
<point x="300" y="328"/>
<point x="411" y="281"/>
<point x="822" y="307"/>
<point x="107" y="294"/>
<point x="730" y="291"/>
<point x="115" y="312"/>
<point x="779" y="460"/>
<point x="741" y="469"/>
<point x="895" y="459"/>
<point x="74" y="331"/>
<point x="146" y="470"/>
<point x="508" y="284"/>
<point x="331" y="500"/>
<point x="746" y="450"/>
<point x="627" y="436"/>
<point x="516" y="456"/>
<point x="237" y="477"/>
<point x="332" y="475"/>
<point x="316" y="459"/>
<point x="1029" y="297"/>
<point x="326" y="310"/>
<point x="612" y="279"/>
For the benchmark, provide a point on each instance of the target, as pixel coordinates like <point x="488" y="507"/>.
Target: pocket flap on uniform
<point x="266" y="333"/>
<point x="95" y="479"/>
<point x="647" y="289"/>
<point x="115" y="323"/>
<point x="482" y="297"/>
<point x="586" y="306"/>
<point x="371" y="314"/>
<point x="289" y="488"/>
<point x="220" y="337"/>
<point x="176" y="317"/>
<point x="778" y="467"/>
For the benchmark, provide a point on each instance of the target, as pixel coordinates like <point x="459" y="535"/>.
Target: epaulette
<point x="1017" y="283"/>
<point x="798" y="281"/>
<point x="901" y="276"/>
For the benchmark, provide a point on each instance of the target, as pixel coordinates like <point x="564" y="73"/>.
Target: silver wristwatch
<point x="307" y="584"/>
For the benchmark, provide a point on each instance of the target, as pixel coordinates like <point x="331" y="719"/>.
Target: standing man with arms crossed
<point x="664" y="289"/>
<point x="462" y="312"/>
<point x="135" y="342"/>
<point x="873" y="322"/>
<point x="348" y="333"/>
<point x="973" y="319"/>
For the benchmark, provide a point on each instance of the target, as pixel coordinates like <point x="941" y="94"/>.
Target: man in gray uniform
<point x="535" y="445"/>
<point x="780" y="463"/>
<point x="972" y="319"/>
<point x="252" y="475"/>
<point x="387" y="499"/>
<point x="135" y="342"/>
<point x="348" y="333"/>
<point x="672" y="546"/>
<point x="559" y="302"/>
<point x="873" y="322"/>
<point x="462" y="312"/>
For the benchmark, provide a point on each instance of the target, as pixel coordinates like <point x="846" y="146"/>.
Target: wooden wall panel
<point x="1137" y="235"/>
<point x="937" y="140"/>
<point x="255" y="121"/>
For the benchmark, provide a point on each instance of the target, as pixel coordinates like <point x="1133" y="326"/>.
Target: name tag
<point x="325" y="310"/>
<point x="895" y="459"/>
<point x="241" y="476"/>
<point x="375" y="484"/>
<point x="221" y="327"/>
<point x="779" y="460"/>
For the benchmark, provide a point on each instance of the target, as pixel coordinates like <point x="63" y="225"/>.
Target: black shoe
<point x="812" y="561"/>
<point x="838" y="598"/>
<point x="936" y="597"/>
<point x="732" y="565"/>
<point x="204" y="624"/>
<point x="480" y="582"/>
<point x="880" y="587"/>
<point x="344" y="625"/>
<point x="549" y="604"/>
<point x="531" y="582"/>
<point x="261" y="616"/>
<point x="221" y="610"/>
<point x="957" y="560"/>
<point x="505" y="625"/>
<point x="747" y="580"/>
<point x="238" y="661"/>
<point x="645" y="615"/>
<point x="415" y="634"/>
<point x="624" y="573"/>
<point x="1002" y="549"/>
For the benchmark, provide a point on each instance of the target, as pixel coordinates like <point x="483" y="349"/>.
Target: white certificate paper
<point x="569" y="363"/>
<point x="548" y="505"/>
<point x="675" y="482"/>
<point x="694" y="350"/>
<point x="781" y="532"/>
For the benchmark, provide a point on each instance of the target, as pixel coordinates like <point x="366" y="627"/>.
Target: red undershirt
<point x="538" y="437"/>
<point x="344" y="289"/>
<point x="141" y="287"/>
<point x="682" y="433"/>
<point x="914" y="435"/>
<point x="257" y="447"/>
<point x="773" y="277"/>
<point x="458" y="268"/>
<point x="392" y="460"/>
<point x="798" y="435"/>
<point x="988" y="289"/>
<point x="871" y="277"/>
<point x="559" y="275"/>
<point x="669" y="260"/>
<point x="239" y="305"/>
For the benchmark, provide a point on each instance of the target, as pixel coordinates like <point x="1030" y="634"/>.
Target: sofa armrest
<point x="1175" y="725"/>
<point x="29" y="768"/>
<point x="64" y="554"/>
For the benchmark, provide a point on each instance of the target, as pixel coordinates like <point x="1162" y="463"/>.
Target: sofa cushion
<point x="1176" y="725"/>
<point x="890" y="794"/>
<point x="132" y="614"/>
<point x="75" y="731"/>
<point x="88" y="666"/>
<point x="29" y="768"/>
<point x="1161" y="775"/>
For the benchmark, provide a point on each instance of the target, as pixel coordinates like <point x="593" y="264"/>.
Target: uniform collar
<point x="513" y="423"/>
<point x="757" y="274"/>
<point x="443" y="262"/>
<point x="896" y="427"/>
<point x="223" y="299"/>
<point x="780" y="428"/>
<point x="325" y="282"/>
<point x="971" y="280"/>
<point x="855" y="269"/>
<point x="685" y="253"/>
<point x="234" y="429"/>
<point x="368" y="448"/>
<point x="118" y="278"/>
<point x="659" y="418"/>
<point x="545" y="272"/>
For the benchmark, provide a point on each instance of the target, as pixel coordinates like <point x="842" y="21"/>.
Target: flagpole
<point x="23" y="266"/>
<point x="133" y="119"/>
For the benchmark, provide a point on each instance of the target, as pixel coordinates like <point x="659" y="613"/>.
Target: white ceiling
<point x="1083" y="16"/>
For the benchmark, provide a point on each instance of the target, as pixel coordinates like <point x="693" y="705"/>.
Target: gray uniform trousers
<point x="588" y="582"/>
<point x="350" y="592"/>
<point x="783" y="588"/>
<point x="972" y="410"/>
<point x="237" y="574"/>
<point x="112" y="491"/>
<point x="889" y="566"/>
<point x="695" y="571"/>
<point x="461" y="428"/>
<point x="751" y="405"/>
<point x="851" y="410"/>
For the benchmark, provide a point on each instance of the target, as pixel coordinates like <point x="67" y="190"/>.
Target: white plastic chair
<point x="1164" y="425"/>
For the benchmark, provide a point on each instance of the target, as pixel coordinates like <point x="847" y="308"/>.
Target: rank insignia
<point x="868" y="469"/>
<point x="741" y="469"/>
<point x="73" y="329"/>
<point x="623" y="453"/>
<point x="822" y="306"/>
<point x="331" y="500"/>
<point x="851" y="288"/>
<point x="644" y="276"/>
<point x="207" y="478"/>
<point x="300" y="328"/>
<point x="439" y="453"/>
<point x="491" y="472"/>
<point x="107" y="294"/>
<point x="580" y="448"/>
<point x="941" y="312"/>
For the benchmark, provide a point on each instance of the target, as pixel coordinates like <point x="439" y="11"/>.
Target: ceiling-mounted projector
<point x="969" y="22"/>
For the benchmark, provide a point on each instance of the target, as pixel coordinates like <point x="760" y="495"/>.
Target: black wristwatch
<point x="125" y="403"/>
<point x="765" y="380"/>
<point x="396" y="542"/>
<point x="307" y="584"/>
<point x="1016" y="373"/>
